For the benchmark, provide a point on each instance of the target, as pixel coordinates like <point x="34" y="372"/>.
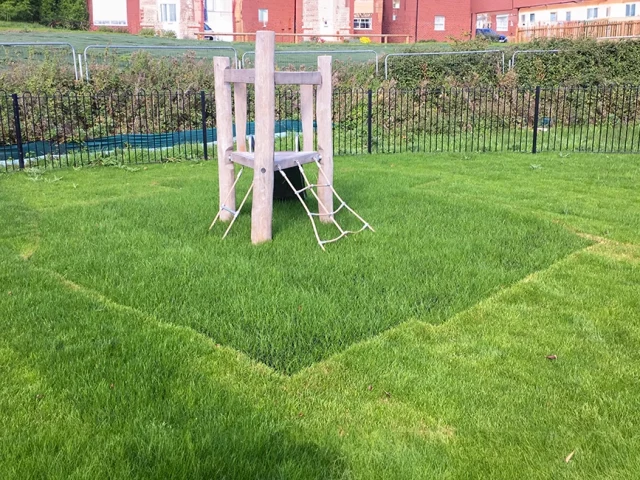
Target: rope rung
<point x="329" y="213"/>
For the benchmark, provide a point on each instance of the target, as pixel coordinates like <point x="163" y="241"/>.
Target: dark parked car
<point x="491" y="35"/>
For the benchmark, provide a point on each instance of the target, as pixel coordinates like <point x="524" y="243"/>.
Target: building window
<point x="396" y="4"/>
<point x="607" y="12"/>
<point x="263" y="16"/>
<point x="362" y="24"/>
<point x="553" y="17"/>
<point x="592" y="13"/>
<point x="502" y="23"/>
<point x="532" y="17"/>
<point x="630" y="9"/>
<point x="438" y="23"/>
<point x="567" y="16"/>
<point x="168" y="13"/>
<point x="395" y="17"/>
<point x="523" y="19"/>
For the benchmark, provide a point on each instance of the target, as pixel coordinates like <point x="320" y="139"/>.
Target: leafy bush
<point x="167" y="34"/>
<point x="72" y="14"/>
<point x="147" y="32"/>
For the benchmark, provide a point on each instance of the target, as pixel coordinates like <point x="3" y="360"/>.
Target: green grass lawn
<point x="134" y="344"/>
<point x="24" y="32"/>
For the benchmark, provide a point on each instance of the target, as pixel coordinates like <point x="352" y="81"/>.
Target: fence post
<point x="369" y="115"/>
<point x="203" y="111"/>
<point x="16" y="120"/>
<point x="536" y="118"/>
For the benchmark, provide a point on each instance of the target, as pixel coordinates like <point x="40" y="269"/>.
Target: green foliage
<point x="580" y="62"/>
<point x="147" y="32"/>
<point x="21" y="10"/>
<point x="58" y="13"/>
<point x="167" y="34"/>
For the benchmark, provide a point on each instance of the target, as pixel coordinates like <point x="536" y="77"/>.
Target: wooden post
<point x="325" y="137"/>
<point x="306" y="117"/>
<point x="262" y="208"/>
<point x="225" y="138"/>
<point x="240" y="95"/>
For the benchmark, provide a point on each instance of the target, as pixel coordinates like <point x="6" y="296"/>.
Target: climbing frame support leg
<point x="262" y="207"/>
<point x="240" y="101"/>
<point x="306" y="117"/>
<point x="226" y="175"/>
<point x="325" y="139"/>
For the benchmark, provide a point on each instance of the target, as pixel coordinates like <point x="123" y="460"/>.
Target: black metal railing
<point x="142" y="127"/>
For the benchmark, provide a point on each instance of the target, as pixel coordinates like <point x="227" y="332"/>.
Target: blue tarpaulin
<point x="138" y="141"/>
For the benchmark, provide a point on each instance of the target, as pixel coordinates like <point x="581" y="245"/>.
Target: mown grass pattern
<point x="289" y="304"/>
<point x="94" y="387"/>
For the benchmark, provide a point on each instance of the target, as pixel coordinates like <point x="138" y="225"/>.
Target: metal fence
<point x="75" y="129"/>
<point x="309" y="58"/>
<point x="30" y="46"/>
<point x="230" y="52"/>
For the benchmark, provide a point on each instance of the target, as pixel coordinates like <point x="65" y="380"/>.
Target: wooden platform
<point x="281" y="159"/>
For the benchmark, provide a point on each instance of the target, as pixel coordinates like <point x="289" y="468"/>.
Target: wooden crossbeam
<point x="248" y="75"/>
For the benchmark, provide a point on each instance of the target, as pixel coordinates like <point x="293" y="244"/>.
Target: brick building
<point x="503" y="15"/>
<point x="183" y="17"/>
<point x="420" y="19"/>
<point x="186" y="17"/>
<point x="427" y="20"/>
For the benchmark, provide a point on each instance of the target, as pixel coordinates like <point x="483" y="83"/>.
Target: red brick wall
<point x="376" y="20"/>
<point x="405" y="22"/>
<point x="133" y="15"/>
<point x="513" y="19"/>
<point x="281" y="15"/>
<point x="485" y="6"/>
<point x="457" y="15"/>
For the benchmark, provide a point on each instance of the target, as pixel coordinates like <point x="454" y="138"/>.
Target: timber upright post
<point x="224" y="127"/>
<point x="262" y="207"/>
<point x="325" y="139"/>
<point x="264" y="160"/>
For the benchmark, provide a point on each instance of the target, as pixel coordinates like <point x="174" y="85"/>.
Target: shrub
<point x="167" y="34"/>
<point x="147" y="32"/>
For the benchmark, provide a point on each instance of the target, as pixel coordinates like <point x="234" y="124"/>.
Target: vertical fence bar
<point x="18" y="129"/>
<point x="536" y="114"/>
<point x="369" y="115"/>
<point x="203" y="116"/>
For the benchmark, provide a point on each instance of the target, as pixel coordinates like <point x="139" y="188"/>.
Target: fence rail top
<point x="313" y="52"/>
<point x="452" y="52"/>
<point x="47" y="44"/>
<point x="152" y="47"/>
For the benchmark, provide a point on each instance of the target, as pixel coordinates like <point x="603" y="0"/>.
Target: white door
<point x="325" y="16"/>
<point x="219" y="18"/>
<point x="169" y="11"/>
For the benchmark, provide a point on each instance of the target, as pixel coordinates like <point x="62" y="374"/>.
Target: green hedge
<point x="58" y="13"/>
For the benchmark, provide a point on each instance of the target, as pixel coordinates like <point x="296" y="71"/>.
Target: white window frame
<point x="362" y="23"/>
<point x="532" y="18"/>
<point x="167" y="13"/>
<point x="263" y="16"/>
<point x="592" y="13"/>
<point x="502" y="23"/>
<point x="630" y="10"/>
<point x="553" y="17"/>
<point x="396" y="4"/>
<point x="439" y="23"/>
<point x="567" y="16"/>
